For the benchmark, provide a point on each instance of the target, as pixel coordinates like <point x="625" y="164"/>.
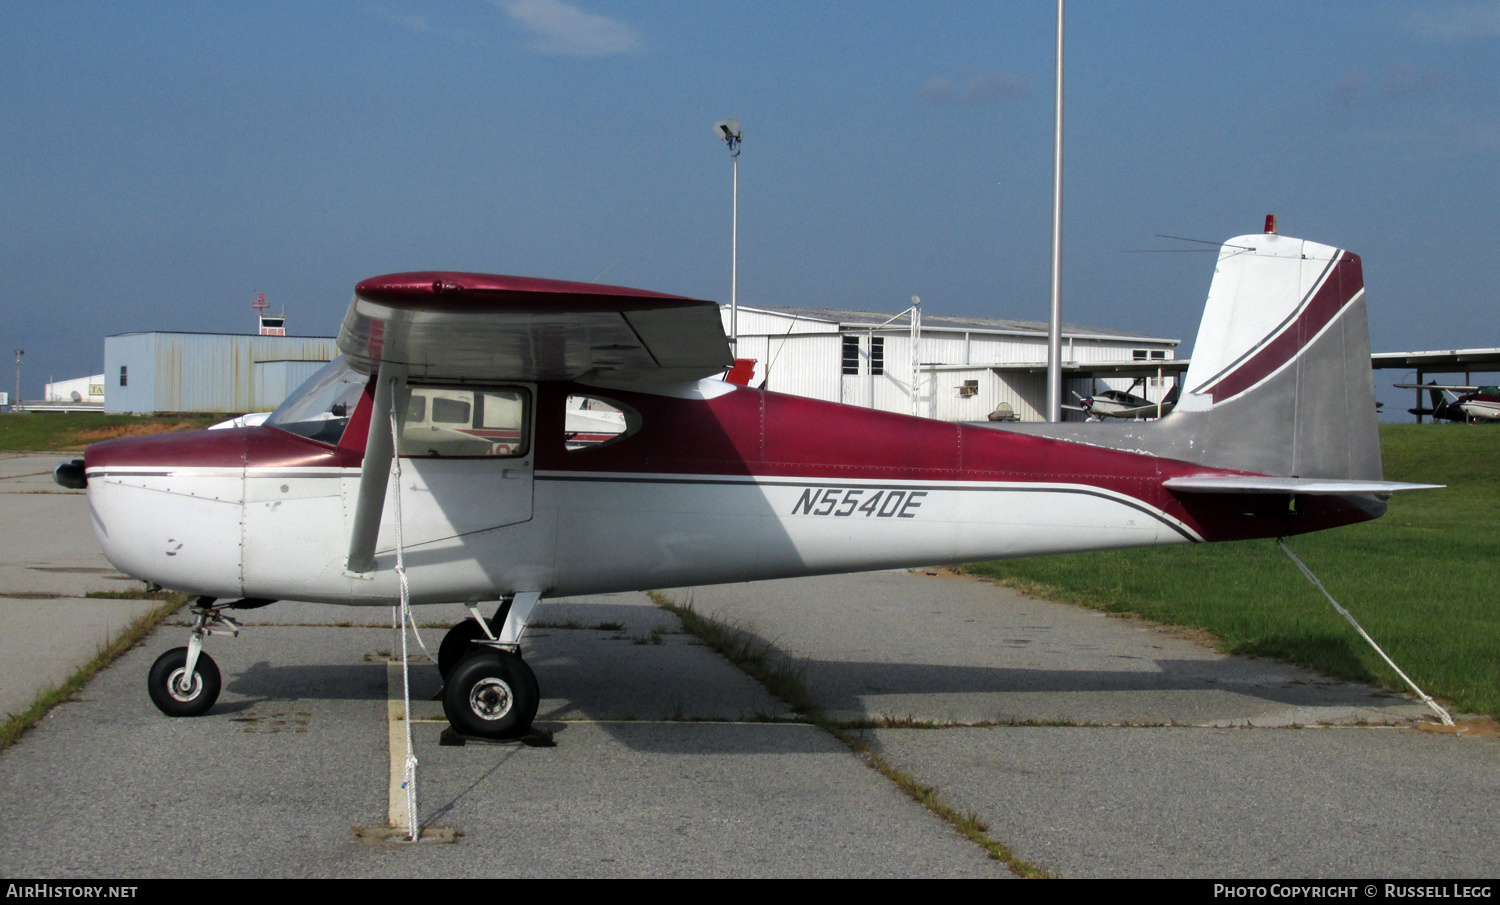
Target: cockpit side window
<point x="590" y="422"/>
<point x="320" y="409"/>
<point x="467" y="422"/>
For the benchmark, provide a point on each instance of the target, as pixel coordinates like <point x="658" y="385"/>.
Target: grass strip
<point x="16" y="724"/>
<point x="775" y="672"/>
<point x="71" y="431"/>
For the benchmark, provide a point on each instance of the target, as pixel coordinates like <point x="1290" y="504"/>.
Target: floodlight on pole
<point x="729" y="131"/>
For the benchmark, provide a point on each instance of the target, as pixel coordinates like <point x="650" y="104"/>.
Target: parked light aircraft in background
<point x="478" y="384"/>
<point x="1125" y="403"/>
<point x="1477" y="405"/>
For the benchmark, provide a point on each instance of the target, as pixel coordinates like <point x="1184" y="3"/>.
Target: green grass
<point x="1419" y="579"/>
<point x="61" y="431"/>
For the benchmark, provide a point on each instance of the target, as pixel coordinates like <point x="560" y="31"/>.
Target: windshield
<point x="320" y="409"/>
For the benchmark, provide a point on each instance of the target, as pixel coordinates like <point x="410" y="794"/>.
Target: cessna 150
<point x="685" y="479"/>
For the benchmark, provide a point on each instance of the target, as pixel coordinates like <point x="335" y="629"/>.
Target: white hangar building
<point x="965" y="368"/>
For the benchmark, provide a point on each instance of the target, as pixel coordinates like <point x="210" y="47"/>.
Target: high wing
<point x="446" y="326"/>
<point x="1437" y="386"/>
<point x="440" y="325"/>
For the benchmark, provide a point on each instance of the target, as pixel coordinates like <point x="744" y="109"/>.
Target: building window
<point x="877" y="355"/>
<point x="124" y="380"/>
<point x="1158" y="355"/>
<point x="1138" y="354"/>
<point x="851" y="355"/>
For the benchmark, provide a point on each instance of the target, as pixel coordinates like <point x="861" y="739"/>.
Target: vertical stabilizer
<point x="1280" y="381"/>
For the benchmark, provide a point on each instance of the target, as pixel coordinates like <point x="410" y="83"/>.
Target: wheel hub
<point x="183" y="690"/>
<point x="490" y="699"/>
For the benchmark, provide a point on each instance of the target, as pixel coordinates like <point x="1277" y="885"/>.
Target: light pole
<point x="15" y="404"/>
<point x="729" y="130"/>
<point x="1054" y="325"/>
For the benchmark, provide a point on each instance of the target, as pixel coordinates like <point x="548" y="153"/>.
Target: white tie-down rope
<point x="410" y="781"/>
<point x="1442" y="714"/>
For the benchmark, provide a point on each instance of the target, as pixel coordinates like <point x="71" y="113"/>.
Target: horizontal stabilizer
<point x="1259" y="484"/>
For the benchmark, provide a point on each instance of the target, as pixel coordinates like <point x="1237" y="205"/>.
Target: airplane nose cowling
<point x="169" y="508"/>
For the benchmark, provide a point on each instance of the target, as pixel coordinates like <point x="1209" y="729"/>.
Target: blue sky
<point x="164" y="162"/>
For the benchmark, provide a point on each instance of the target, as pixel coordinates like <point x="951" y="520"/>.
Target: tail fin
<point x="1280" y="381"/>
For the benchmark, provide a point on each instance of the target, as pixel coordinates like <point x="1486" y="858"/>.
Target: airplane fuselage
<point x="713" y="483"/>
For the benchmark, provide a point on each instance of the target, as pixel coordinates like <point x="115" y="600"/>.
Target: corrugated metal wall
<point x="275" y="380"/>
<point x="129" y="373"/>
<point x="806" y="364"/>
<point x="202" y="372"/>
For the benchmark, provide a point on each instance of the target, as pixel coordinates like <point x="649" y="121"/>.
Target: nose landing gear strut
<point x="185" y="681"/>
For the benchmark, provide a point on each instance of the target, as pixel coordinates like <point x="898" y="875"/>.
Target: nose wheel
<point x="177" y="692"/>
<point x="185" y="681"/>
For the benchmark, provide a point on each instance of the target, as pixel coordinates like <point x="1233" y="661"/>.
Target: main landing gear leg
<point x="461" y="639"/>
<point x="185" y="681"/>
<point x="490" y="692"/>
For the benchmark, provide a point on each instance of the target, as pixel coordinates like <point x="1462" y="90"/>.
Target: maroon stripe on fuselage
<point x="754" y="433"/>
<point x="228" y="448"/>
<point x="1342" y="283"/>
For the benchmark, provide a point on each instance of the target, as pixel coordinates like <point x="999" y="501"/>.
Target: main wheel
<point x="491" y="694"/>
<point x="457" y="644"/>
<point x="176" y="694"/>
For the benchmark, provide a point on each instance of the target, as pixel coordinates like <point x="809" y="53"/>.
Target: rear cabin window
<point x="466" y="422"/>
<point x="590" y="422"/>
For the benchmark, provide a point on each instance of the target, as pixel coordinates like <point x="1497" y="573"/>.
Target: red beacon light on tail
<point x="1270" y="224"/>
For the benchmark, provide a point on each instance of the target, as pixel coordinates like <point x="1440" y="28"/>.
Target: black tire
<point x="457" y="644"/>
<point x="491" y="694"/>
<point x="174" y="702"/>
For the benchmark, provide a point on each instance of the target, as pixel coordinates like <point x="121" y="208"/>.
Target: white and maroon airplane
<point x="684" y="479"/>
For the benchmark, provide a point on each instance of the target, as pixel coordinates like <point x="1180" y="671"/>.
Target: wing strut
<point x="375" y="471"/>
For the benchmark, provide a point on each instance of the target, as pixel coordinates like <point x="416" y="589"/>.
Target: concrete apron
<point x="933" y="646"/>
<point x="1152" y="767"/>
<point x="297" y="752"/>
